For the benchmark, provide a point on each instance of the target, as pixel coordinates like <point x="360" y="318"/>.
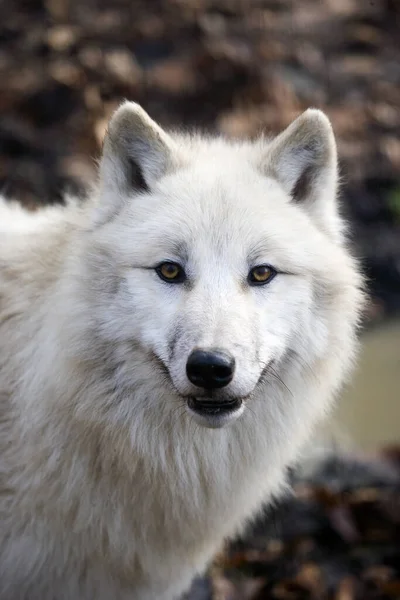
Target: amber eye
<point x="261" y="275"/>
<point x="171" y="272"/>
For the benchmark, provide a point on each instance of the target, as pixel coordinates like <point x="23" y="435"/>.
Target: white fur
<point x="108" y="487"/>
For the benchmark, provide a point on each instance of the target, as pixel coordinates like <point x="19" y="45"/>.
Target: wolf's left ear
<point x="136" y="153"/>
<point x="303" y="159"/>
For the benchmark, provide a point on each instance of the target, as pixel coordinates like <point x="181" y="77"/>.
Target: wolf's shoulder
<point x="15" y="219"/>
<point x="33" y="246"/>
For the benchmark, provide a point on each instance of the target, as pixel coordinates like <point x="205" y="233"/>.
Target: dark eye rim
<point x="180" y="278"/>
<point x="254" y="282"/>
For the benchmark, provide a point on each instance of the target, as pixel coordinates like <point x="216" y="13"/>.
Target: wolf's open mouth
<point x="212" y="407"/>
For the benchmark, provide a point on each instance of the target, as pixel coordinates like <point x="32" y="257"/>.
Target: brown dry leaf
<point x="62" y="37"/>
<point x="364" y="495"/>
<point x="91" y="57"/>
<point x="121" y="64"/>
<point x="223" y="589"/>
<point x="173" y="76"/>
<point x="289" y="590"/>
<point x="239" y="123"/>
<point x="367" y="34"/>
<point x="59" y="9"/>
<point x="249" y="588"/>
<point x="78" y="167"/>
<point x="67" y="73"/>
<point x="391" y="147"/>
<point x="310" y="577"/>
<point x="239" y="559"/>
<point x="92" y="97"/>
<point x="358" y="66"/>
<point x="346" y="589"/>
<point x="385" y="114"/>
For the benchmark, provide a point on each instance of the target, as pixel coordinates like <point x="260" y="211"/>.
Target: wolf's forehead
<point x="194" y="215"/>
<point x="225" y="197"/>
<point x="218" y="236"/>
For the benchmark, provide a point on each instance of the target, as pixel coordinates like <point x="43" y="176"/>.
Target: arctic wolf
<point x="166" y="349"/>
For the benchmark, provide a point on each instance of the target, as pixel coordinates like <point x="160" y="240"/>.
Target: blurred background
<point x="235" y="67"/>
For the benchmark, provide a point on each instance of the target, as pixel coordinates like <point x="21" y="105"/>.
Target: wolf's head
<point x="222" y="264"/>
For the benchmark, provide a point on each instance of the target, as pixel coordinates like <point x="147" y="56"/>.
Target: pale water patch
<point x="369" y="410"/>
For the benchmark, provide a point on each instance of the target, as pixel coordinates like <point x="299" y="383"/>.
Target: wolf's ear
<point x="136" y="153"/>
<point x="303" y="159"/>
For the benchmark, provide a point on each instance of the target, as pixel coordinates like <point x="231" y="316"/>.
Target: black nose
<point x="210" y="368"/>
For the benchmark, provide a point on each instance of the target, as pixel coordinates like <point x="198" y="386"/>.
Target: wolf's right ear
<point x="304" y="161"/>
<point x="136" y="153"/>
